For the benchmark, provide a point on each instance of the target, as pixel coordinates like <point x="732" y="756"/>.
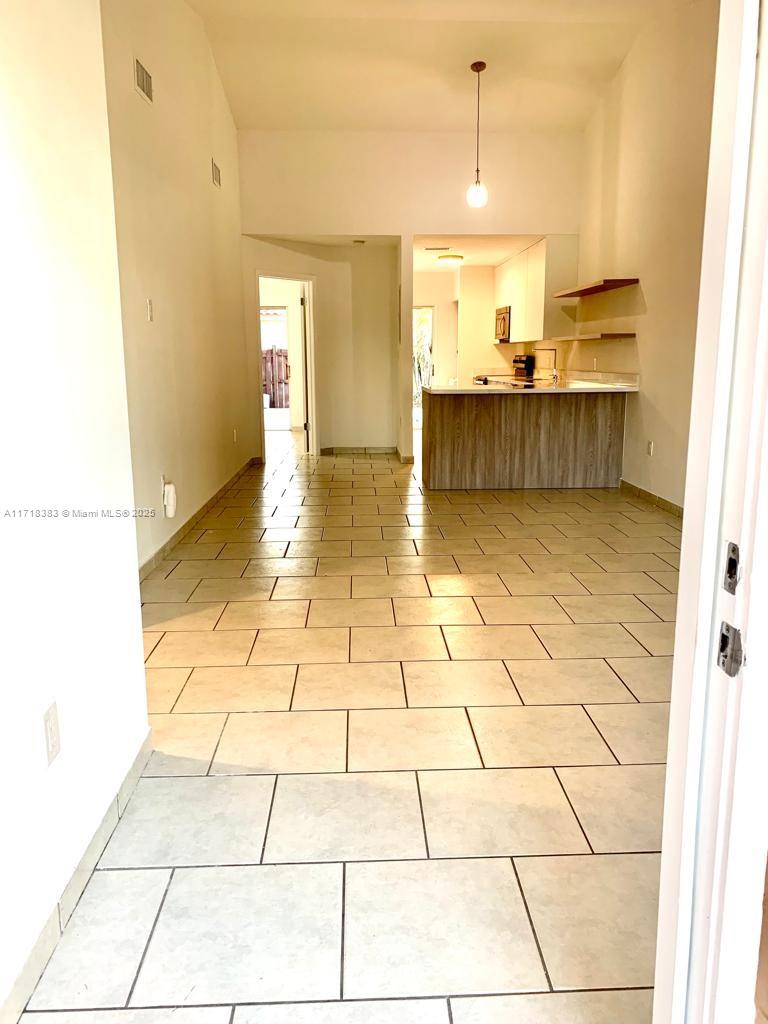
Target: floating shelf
<point x="604" y="336"/>
<point x="605" y="284"/>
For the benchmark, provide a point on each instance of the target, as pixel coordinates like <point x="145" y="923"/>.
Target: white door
<point x="716" y="819"/>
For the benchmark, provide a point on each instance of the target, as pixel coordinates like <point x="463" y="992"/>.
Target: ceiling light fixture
<point x="477" y="193"/>
<point x="451" y="257"/>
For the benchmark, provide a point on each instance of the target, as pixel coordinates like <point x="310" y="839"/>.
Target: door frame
<point x="704" y="960"/>
<point x="308" y="282"/>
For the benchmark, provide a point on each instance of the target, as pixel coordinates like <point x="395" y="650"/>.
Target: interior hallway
<point x="409" y="755"/>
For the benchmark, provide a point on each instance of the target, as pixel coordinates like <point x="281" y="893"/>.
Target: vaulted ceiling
<point x="403" y="65"/>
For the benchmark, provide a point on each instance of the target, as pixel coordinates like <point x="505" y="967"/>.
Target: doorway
<point x="283" y="334"/>
<point x="423" y="340"/>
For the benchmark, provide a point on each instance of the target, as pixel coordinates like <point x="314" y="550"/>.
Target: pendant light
<point x="477" y="193"/>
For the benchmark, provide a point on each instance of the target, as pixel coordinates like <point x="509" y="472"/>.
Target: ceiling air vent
<point x="216" y="174"/>
<point x="143" y="80"/>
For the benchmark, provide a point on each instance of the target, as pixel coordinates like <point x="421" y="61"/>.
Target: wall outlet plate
<point x="649" y="448"/>
<point x="52" y="736"/>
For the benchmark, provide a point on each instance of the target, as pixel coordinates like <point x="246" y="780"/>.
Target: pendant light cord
<point x="477" y="145"/>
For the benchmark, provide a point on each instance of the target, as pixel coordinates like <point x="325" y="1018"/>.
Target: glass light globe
<point x="477" y="194"/>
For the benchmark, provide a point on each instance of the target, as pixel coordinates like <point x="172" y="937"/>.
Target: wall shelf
<point x="605" y="284"/>
<point x="603" y="336"/>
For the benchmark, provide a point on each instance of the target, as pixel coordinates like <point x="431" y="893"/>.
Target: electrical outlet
<point x="52" y="737"/>
<point x="150" y="311"/>
<point x="594" y="363"/>
<point x="234" y="435"/>
<point x="649" y="448"/>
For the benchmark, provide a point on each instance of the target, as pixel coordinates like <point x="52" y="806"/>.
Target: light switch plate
<point x="52" y="737"/>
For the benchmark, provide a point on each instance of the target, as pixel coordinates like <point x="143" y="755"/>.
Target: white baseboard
<point x="42" y="950"/>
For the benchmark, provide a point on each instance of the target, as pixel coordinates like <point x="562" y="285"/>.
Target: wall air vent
<point x="143" y="80"/>
<point x="216" y="174"/>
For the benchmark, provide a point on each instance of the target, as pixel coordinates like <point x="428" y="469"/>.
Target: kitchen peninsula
<point x="553" y="432"/>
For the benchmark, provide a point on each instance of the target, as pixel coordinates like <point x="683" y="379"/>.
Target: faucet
<point x="555" y="376"/>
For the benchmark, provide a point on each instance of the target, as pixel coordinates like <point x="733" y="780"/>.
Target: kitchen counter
<point x="479" y="437"/>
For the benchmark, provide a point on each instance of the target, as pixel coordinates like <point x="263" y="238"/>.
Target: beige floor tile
<point x="281" y="567"/>
<point x="540" y="584"/>
<point x="299" y="646"/>
<point x="183" y="744"/>
<point x="520" y="610"/>
<point x="617" y="1007"/>
<point x="365" y="611"/>
<point x="619" y="807"/>
<point x="511" y="546"/>
<point x="492" y="563"/>
<point x="389" y="586"/>
<point x="353" y="532"/>
<point x="321" y="549"/>
<point x="466" y="584"/>
<point x="184" y="551"/>
<point x="602" y="640"/>
<point x="619" y="583"/>
<point x="664" y="605"/>
<point x="630" y="563"/>
<point x="371" y="566"/>
<point x="457" y="683"/>
<point x="603" y="531"/>
<point x="377" y="548"/>
<point x="264" y="615"/>
<point x="291" y="741"/>
<point x="421" y="565"/>
<point x="257" y="589"/>
<point x="669" y="580"/>
<point x="173" y="591"/>
<point x="560" y="563"/>
<point x="575" y="545"/>
<point x="498" y="812"/>
<point x="161" y="570"/>
<point x="369" y="519"/>
<point x="565" y="681"/>
<point x="411" y="533"/>
<point x="429" y="927"/>
<point x="649" y="679"/>
<point x="212" y="569"/>
<point x="247" y="688"/>
<point x="642" y="545"/>
<point x="657" y="637"/>
<point x="304" y="587"/>
<point x="163" y="687"/>
<point x="280" y="535"/>
<point x="356" y="816"/>
<point x="481" y="642"/>
<point x="397" y="643"/>
<point x="151" y="640"/>
<point x="607" y="608"/>
<point x="180" y="650"/>
<point x="636" y="733"/>
<point x="428" y="611"/>
<point x="372" y="685"/>
<point x="180" y="617"/>
<point x="537" y="737"/>
<point x="600" y="930"/>
<point x="260" y="549"/>
<point x="411" y="739"/>
<point x="467" y="546"/>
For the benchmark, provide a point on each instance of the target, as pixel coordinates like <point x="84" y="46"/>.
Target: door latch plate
<point x="730" y="654"/>
<point x="731" y="576"/>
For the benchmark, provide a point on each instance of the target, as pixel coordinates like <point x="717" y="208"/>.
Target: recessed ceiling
<point x="477" y="250"/>
<point x="404" y="64"/>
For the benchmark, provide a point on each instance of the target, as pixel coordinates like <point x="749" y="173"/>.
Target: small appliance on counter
<point x="523" y="366"/>
<point x="521" y="376"/>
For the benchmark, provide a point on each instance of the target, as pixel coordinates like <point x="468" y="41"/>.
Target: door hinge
<point x="306" y="426"/>
<point x="731" y="576"/>
<point x="730" y="654"/>
<point x="303" y="301"/>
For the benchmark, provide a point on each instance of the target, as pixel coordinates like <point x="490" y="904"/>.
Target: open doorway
<point x="283" y="329"/>
<point x="423" y="340"/>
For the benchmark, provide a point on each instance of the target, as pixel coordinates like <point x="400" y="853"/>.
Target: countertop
<point x="567" y="384"/>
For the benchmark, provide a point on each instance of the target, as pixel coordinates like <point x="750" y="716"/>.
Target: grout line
<point x="605" y="741"/>
<point x="183" y="688"/>
<point x="626" y="685"/>
<point x="232" y="1016"/>
<point x="149" y="937"/>
<point x="514" y="685"/>
<point x="450" y="1012"/>
<point x="346" y="753"/>
<point x="343" y="926"/>
<point x="530" y="922"/>
<point x="573" y="809"/>
<point x="269" y="820"/>
<point x="218" y="741"/>
<point x="472" y="730"/>
<point x="421" y="808"/>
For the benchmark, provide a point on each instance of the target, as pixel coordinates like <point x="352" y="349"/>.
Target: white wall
<point x="179" y="244"/>
<point x="645" y="177"/>
<point x="441" y="291"/>
<point x="71" y="626"/>
<point x="355" y="292"/>
<point x="276" y="292"/>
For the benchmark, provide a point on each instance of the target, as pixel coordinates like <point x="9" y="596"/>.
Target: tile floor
<point x="409" y="763"/>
